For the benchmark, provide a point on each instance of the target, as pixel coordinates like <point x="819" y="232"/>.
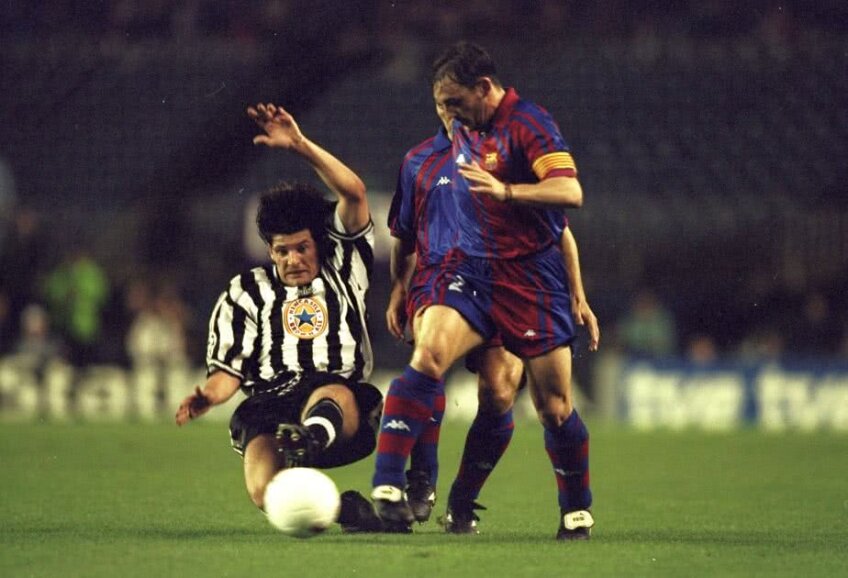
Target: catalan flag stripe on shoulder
<point x="553" y="161"/>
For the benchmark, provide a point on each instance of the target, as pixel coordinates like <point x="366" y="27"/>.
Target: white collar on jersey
<point x="315" y="287"/>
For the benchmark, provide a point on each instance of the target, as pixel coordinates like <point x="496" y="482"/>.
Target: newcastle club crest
<point x="305" y="318"/>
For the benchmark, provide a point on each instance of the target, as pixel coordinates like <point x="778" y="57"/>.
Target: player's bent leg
<point x="262" y="461"/>
<point x="442" y="336"/>
<point x="332" y="408"/>
<point x="423" y="473"/>
<point x="329" y="414"/>
<point x="566" y="440"/>
<point x="550" y="386"/>
<point x="409" y="405"/>
<point x="499" y="378"/>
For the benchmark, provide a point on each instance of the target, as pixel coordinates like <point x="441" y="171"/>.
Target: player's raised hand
<point x="482" y="181"/>
<point x="192" y="407"/>
<point x="281" y="130"/>
<point x="583" y="315"/>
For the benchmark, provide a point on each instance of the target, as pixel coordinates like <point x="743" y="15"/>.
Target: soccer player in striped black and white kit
<point x="292" y="334"/>
<point x="512" y="176"/>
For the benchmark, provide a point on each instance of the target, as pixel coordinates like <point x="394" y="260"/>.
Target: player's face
<point x="446" y="118"/>
<point x="296" y="257"/>
<point x="467" y="105"/>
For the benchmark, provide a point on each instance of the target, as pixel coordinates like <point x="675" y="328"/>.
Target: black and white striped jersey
<point x="262" y="331"/>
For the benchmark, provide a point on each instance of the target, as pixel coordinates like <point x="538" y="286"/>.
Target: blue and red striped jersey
<point x="433" y="207"/>
<point x="422" y="207"/>
<point x="522" y="145"/>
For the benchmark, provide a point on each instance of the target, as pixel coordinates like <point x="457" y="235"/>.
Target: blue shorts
<point x="525" y="302"/>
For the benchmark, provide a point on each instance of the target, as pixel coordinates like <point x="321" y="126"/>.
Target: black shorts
<point x="264" y="411"/>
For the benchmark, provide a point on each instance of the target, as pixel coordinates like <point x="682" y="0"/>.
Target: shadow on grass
<point x="109" y="533"/>
<point x="819" y="540"/>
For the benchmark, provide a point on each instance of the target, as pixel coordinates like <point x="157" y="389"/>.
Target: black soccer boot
<point x="357" y="514"/>
<point x="461" y="518"/>
<point x="297" y="445"/>
<point x="575" y="525"/>
<point x="420" y="494"/>
<point x="392" y="509"/>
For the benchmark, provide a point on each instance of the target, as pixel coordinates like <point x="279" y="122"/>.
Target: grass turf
<point x="152" y="500"/>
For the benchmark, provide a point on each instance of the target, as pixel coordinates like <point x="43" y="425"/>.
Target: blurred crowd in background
<point x="255" y="20"/>
<point x="129" y="297"/>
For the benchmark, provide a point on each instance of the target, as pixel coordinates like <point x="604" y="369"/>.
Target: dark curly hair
<point x="463" y="63"/>
<point x="291" y="207"/>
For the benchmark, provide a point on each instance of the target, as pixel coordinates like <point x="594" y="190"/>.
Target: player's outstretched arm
<point x="583" y="314"/>
<point x="554" y="191"/>
<point x="282" y="131"/>
<point x="220" y="386"/>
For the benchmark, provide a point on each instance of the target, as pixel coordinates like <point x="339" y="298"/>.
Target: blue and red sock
<point x="425" y="452"/>
<point x="408" y="408"/>
<point x="487" y="440"/>
<point x="568" y="450"/>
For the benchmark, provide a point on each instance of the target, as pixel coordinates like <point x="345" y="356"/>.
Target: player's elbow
<point x="575" y="194"/>
<point x="356" y="189"/>
<point x="568" y="192"/>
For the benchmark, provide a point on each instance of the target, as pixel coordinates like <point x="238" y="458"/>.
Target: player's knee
<point x="554" y="413"/>
<point x="431" y="360"/>
<point x="496" y="399"/>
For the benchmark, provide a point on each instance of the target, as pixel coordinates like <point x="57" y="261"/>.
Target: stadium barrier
<point x="646" y="394"/>
<point x="56" y="391"/>
<point x="774" y="396"/>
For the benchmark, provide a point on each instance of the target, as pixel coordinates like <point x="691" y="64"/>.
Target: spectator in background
<point x="76" y="292"/>
<point x="37" y="345"/>
<point x="763" y="344"/>
<point x="701" y="349"/>
<point x="8" y="197"/>
<point x="22" y="262"/>
<point x="842" y="352"/>
<point x="7" y="333"/>
<point x="648" y="329"/>
<point x="157" y="334"/>
<point x="817" y="332"/>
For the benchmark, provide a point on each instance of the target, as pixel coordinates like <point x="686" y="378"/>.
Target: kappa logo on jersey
<point x="443" y="181"/>
<point x="305" y="318"/>
<point x="397" y="424"/>
<point x="491" y="161"/>
<point x="529" y="333"/>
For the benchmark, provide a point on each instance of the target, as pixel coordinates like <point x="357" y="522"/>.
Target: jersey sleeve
<point x="401" y="220"/>
<point x="543" y="144"/>
<point x="233" y="332"/>
<point x="352" y="255"/>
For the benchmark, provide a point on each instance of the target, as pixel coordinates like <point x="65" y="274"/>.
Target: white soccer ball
<point x="302" y="502"/>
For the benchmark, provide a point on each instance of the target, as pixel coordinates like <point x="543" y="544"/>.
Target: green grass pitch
<point x="153" y="500"/>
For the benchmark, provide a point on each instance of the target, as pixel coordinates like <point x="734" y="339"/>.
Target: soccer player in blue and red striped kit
<point x="424" y="174"/>
<point x="511" y="175"/>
